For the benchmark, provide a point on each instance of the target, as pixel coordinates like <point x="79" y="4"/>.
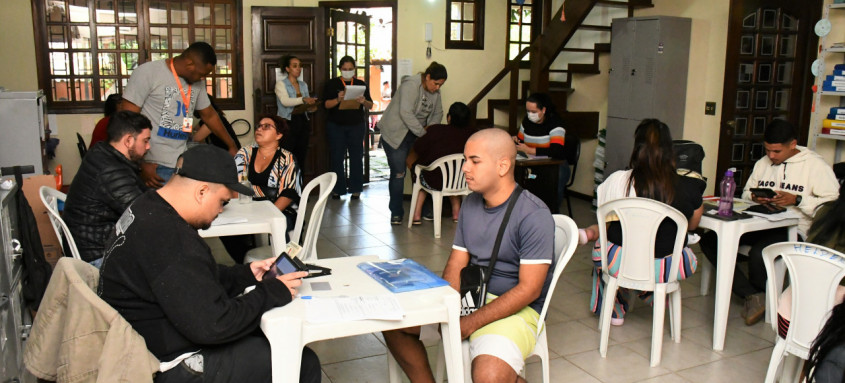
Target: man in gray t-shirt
<point x="167" y="92"/>
<point x="503" y="332"/>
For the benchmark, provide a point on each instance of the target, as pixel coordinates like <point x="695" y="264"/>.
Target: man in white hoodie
<point x="802" y="181"/>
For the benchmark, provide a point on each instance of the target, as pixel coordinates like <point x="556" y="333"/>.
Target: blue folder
<point x="402" y="275"/>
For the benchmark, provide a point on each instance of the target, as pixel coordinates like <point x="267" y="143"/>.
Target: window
<point x="521" y="29"/>
<point x="87" y="49"/>
<point x="465" y="24"/>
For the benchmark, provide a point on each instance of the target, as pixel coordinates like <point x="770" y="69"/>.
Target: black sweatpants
<point x="755" y="282"/>
<point x="245" y="360"/>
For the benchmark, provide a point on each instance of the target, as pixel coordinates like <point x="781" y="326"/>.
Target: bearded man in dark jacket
<point x="107" y="183"/>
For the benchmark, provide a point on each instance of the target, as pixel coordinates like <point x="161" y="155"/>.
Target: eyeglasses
<point x="266" y="126"/>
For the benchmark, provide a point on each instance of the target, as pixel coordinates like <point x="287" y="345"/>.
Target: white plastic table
<point x="261" y="217"/>
<point x="728" y="233"/>
<point x="288" y="331"/>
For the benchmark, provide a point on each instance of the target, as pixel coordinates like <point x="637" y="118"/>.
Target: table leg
<point x="285" y="337"/>
<point x="728" y="244"/>
<point x="277" y="230"/>
<point x="451" y="334"/>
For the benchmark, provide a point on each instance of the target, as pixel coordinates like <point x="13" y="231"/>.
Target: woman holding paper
<point x="294" y="103"/>
<point x="347" y="100"/>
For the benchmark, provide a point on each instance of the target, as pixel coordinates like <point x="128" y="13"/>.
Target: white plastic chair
<point x="50" y="198"/>
<point x="454" y="183"/>
<point x="308" y="253"/>
<point x="566" y="240"/>
<point x="640" y="218"/>
<point x="814" y="274"/>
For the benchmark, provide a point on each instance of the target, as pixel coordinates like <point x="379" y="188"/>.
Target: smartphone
<point x="764" y="192"/>
<point x="284" y="264"/>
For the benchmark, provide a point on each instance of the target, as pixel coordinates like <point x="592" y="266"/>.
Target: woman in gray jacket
<point x="415" y="106"/>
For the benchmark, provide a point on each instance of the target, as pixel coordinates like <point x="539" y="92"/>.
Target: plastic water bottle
<point x="243" y="198"/>
<point x="726" y="194"/>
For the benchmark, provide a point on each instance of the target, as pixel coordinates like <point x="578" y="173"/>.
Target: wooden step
<point x="593" y="27"/>
<point x="584" y="124"/>
<point x="625" y="4"/>
<point x="584" y="68"/>
<point x="603" y="47"/>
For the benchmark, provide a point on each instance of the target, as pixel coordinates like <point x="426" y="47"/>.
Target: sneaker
<point x="755" y="308"/>
<point x="356" y="196"/>
<point x="617" y="321"/>
<point x="396" y="220"/>
<point x="582" y="237"/>
<point x="428" y="216"/>
<point x="335" y="196"/>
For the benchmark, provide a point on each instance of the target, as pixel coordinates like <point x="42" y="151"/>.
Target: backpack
<point x="36" y="269"/>
<point x="688" y="158"/>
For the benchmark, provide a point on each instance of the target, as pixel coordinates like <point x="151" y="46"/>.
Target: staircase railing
<point x="545" y="49"/>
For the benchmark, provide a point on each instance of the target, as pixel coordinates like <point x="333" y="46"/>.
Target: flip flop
<point x="417" y="222"/>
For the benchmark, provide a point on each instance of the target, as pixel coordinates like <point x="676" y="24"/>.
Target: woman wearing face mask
<point x="415" y="106"/>
<point x="294" y="103"/>
<point x="346" y="128"/>
<point x="542" y="134"/>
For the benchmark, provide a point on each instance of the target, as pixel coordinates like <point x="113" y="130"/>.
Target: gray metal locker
<point x="649" y="64"/>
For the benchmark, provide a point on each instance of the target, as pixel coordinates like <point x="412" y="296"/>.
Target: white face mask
<point x="534" y="117"/>
<point x="347" y="74"/>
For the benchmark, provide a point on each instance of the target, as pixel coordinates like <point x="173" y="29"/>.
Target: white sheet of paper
<point x="228" y="220"/>
<point x="332" y="309"/>
<point x="775" y="217"/>
<point x="405" y="68"/>
<point x="354" y="91"/>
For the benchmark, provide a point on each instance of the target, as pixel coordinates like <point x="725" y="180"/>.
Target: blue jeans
<point x="343" y="138"/>
<point x="164" y="172"/>
<point x="396" y="160"/>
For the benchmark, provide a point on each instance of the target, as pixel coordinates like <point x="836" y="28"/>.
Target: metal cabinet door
<point x="621" y="64"/>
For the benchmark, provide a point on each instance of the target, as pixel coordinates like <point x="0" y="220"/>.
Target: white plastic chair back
<point x="566" y="241"/>
<point x="814" y="273"/>
<point x="50" y="198"/>
<point x="640" y="219"/>
<point x="326" y="183"/>
<point x="454" y="183"/>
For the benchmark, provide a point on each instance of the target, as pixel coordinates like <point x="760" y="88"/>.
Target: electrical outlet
<point x="710" y="108"/>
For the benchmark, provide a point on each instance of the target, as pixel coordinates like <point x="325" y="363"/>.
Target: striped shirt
<point x="547" y="137"/>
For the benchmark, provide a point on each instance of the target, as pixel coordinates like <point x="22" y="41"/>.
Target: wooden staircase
<point x="544" y="50"/>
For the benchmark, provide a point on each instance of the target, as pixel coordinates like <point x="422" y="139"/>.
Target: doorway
<point x="770" y="47"/>
<point x="366" y="31"/>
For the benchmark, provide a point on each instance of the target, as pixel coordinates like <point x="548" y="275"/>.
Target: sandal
<point x="417" y="222"/>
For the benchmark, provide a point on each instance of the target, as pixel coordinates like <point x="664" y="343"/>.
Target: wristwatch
<point x="797" y="200"/>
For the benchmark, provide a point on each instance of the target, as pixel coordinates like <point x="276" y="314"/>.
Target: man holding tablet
<point x="159" y="274"/>
<point x="799" y="180"/>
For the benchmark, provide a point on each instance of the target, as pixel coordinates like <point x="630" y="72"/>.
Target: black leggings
<point x="245" y="360"/>
<point x="298" y="137"/>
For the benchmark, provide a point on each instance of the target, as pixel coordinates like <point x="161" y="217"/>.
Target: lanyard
<point x="351" y="82"/>
<point x="185" y="100"/>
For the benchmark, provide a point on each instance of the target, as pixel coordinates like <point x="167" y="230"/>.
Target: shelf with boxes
<point x="829" y="83"/>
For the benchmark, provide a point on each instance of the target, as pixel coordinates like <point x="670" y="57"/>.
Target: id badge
<point x="187" y="124"/>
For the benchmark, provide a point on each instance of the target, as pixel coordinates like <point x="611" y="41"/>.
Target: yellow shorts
<point x="510" y="339"/>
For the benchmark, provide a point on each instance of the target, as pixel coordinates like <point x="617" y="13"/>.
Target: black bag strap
<point x="514" y="196"/>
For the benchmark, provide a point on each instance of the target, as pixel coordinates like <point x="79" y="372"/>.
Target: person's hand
<point x="260" y="267"/>
<point x="784" y="199"/>
<point x="293" y="280"/>
<point x="340" y="95"/>
<point x="760" y="200"/>
<point x="149" y="176"/>
<point x="515" y="139"/>
<point x="309" y="100"/>
<point x="233" y="150"/>
<point x="526" y="149"/>
<point x="361" y="100"/>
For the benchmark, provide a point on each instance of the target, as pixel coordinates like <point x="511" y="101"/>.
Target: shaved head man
<point x="502" y="332"/>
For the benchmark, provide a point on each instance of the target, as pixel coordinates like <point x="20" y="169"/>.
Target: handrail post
<point x="513" y="101"/>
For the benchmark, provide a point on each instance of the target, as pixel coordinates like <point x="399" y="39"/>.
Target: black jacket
<point x="106" y="184"/>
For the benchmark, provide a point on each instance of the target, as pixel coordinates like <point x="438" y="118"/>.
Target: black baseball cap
<point x="211" y="164"/>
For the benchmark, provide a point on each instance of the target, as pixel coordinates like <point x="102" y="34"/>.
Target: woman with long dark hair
<point x="652" y="175"/>
<point x="414" y="107"/>
<point x="826" y="362"/>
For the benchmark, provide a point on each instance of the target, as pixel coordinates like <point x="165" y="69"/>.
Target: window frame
<point x="478" y="26"/>
<point x="144" y="51"/>
<point x="534" y="26"/>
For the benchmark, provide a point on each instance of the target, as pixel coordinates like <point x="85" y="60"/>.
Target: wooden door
<point x="300" y="31"/>
<point x="767" y="76"/>
<point x="350" y="36"/>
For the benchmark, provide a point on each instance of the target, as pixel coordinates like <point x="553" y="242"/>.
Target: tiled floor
<point x="362" y="227"/>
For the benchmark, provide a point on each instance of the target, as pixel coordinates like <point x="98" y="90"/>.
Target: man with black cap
<point x="159" y="274"/>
